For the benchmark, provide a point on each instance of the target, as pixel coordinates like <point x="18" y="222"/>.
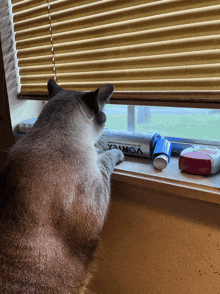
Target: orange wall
<point x="158" y="243"/>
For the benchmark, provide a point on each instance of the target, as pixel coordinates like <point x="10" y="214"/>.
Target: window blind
<point x="150" y="50"/>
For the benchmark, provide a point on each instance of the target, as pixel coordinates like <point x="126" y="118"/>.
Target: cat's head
<point x="90" y="104"/>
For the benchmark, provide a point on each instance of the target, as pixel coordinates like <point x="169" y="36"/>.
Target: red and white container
<point x="200" y="160"/>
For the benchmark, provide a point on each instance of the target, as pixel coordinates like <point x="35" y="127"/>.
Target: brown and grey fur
<point x="58" y="192"/>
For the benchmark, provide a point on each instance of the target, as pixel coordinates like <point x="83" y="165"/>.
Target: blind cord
<point x="51" y="39"/>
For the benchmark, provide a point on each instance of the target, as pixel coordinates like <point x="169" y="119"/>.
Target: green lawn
<point x="196" y="126"/>
<point x="116" y="121"/>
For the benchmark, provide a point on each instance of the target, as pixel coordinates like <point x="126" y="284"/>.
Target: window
<point x="177" y="124"/>
<point x="156" y="53"/>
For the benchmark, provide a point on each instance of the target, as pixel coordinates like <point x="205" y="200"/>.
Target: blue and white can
<point x="161" y="154"/>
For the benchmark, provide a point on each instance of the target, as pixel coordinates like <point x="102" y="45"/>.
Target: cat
<point x="57" y="196"/>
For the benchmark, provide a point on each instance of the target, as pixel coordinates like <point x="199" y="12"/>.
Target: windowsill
<point x="140" y="172"/>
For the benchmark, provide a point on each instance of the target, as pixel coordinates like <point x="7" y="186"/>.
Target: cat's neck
<point x="73" y="133"/>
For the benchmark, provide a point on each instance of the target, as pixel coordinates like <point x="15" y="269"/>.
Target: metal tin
<point x="139" y="144"/>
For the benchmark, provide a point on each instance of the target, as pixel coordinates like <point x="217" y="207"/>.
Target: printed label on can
<point x="127" y="149"/>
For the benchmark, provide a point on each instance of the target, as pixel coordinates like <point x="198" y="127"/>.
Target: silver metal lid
<point x="161" y="161"/>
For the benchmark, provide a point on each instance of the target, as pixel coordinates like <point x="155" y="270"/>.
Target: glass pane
<point x="189" y="123"/>
<point x="178" y="122"/>
<point x="117" y="117"/>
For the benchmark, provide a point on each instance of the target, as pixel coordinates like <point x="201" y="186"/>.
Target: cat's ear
<point x="53" y="88"/>
<point x="103" y="95"/>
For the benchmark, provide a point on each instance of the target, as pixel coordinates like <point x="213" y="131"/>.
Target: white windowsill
<point x="140" y="172"/>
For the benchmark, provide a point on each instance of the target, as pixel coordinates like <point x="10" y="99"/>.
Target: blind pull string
<point x="52" y="47"/>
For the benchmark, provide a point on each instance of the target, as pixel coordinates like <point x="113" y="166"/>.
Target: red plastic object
<point x="195" y="163"/>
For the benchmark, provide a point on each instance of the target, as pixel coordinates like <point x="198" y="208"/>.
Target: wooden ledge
<point x="140" y="172"/>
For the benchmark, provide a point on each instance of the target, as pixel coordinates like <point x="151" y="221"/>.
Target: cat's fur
<point x="58" y="190"/>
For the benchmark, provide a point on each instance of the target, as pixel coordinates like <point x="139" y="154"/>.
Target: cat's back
<point x="43" y="158"/>
<point x="44" y="183"/>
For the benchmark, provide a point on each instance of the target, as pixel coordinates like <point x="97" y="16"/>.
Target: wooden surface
<point x="140" y="172"/>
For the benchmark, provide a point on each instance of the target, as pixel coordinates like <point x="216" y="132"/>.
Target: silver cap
<point x="161" y="161"/>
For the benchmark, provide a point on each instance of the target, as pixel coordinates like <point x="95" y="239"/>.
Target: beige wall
<point x="158" y="243"/>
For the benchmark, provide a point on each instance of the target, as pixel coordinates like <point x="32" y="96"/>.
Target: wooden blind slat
<point x="32" y="33"/>
<point x="175" y="73"/>
<point x="88" y="7"/>
<point x="34" y="22"/>
<point x="128" y="86"/>
<point x="88" y="18"/>
<point x="111" y="13"/>
<point x="28" y="4"/>
<point x="103" y="47"/>
<point x="207" y="57"/>
<point x="151" y="21"/>
<point x="112" y="35"/>
<point x="61" y="31"/>
<point x="33" y="12"/>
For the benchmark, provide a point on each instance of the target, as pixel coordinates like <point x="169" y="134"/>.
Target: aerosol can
<point x="141" y="144"/>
